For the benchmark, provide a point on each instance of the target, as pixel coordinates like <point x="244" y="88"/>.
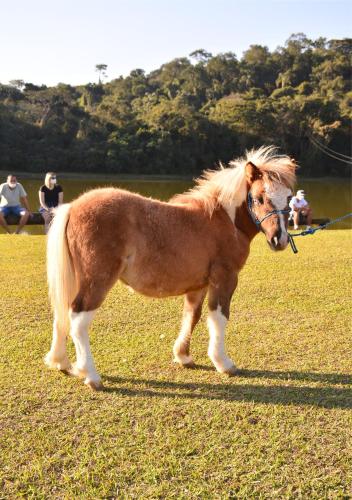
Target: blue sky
<point x="55" y="41"/>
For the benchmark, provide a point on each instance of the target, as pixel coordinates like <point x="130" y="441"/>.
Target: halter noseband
<point x="255" y="219"/>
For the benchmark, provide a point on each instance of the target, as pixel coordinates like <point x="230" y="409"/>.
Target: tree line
<point x="188" y="114"/>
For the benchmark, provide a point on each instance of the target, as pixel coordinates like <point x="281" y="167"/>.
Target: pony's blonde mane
<point x="228" y="185"/>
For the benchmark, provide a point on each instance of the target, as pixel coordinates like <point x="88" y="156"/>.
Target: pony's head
<point x="268" y="197"/>
<point x="263" y="179"/>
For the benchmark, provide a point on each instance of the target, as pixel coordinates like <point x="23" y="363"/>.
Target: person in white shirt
<point x="300" y="207"/>
<point x="12" y="194"/>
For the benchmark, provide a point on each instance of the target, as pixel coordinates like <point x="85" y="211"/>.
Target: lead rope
<point x="312" y="230"/>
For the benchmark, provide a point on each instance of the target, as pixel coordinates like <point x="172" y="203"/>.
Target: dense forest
<point x="188" y="114"/>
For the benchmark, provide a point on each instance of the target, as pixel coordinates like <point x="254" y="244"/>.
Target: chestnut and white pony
<point x="192" y="245"/>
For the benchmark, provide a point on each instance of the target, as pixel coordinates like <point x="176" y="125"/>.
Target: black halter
<point x="255" y="219"/>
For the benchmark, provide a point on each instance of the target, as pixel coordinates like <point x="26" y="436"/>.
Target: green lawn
<point x="282" y="429"/>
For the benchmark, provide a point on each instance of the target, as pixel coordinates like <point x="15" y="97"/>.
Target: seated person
<point x="51" y="196"/>
<point x="12" y="194"/>
<point x="300" y="210"/>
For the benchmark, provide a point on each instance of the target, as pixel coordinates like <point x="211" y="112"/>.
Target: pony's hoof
<point x="190" y="364"/>
<point x="187" y="364"/>
<point x="184" y="361"/>
<point x="63" y="365"/>
<point x="95" y="386"/>
<point x="232" y="371"/>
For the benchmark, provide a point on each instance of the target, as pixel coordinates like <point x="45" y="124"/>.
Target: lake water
<point x="328" y="197"/>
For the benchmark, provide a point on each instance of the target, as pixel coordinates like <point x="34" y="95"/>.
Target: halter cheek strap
<point x="255" y="219"/>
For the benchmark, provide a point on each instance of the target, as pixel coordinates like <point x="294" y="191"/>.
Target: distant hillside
<point x="189" y="113"/>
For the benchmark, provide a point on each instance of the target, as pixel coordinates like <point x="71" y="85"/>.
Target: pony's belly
<point x="155" y="274"/>
<point x="161" y="288"/>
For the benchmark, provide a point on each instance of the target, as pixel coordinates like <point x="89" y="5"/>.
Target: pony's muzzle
<point x="278" y="243"/>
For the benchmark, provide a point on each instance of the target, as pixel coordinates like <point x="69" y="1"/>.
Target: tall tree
<point x="101" y="70"/>
<point x="201" y="55"/>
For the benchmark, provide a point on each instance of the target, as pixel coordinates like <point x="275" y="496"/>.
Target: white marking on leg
<point x="84" y="366"/>
<point x="183" y="339"/>
<point x="216" y="324"/>
<point x="57" y="356"/>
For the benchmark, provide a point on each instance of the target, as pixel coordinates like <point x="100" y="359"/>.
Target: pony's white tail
<point x="60" y="270"/>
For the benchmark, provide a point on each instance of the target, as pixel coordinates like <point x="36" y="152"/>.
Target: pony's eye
<point x="259" y="200"/>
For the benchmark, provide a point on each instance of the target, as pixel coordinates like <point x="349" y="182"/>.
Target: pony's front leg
<point x="57" y="356"/>
<point x="84" y="366"/>
<point x="191" y="314"/>
<point x="220" y="294"/>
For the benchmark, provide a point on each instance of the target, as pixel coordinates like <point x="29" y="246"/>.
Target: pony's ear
<point x="252" y="172"/>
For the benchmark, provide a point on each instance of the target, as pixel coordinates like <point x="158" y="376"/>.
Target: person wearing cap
<point x="12" y="194"/>
<point x="300" y="208"/>
<point x="51" y="196"/>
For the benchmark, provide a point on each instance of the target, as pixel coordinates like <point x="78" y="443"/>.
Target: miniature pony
<point x="192" y="245"/>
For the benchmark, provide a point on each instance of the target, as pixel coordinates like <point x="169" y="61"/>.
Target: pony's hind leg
<point x="191" y="314"/>
<point x="90" y="296"/>
<point x="84" y="366"/>
<point x="57" y="356"/>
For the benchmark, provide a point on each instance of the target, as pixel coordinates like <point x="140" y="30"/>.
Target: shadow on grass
<point x="325" y="378"/>
<point x="324" y="397"/>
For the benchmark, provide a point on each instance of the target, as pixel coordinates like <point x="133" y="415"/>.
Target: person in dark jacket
<point x="51" y="196"/>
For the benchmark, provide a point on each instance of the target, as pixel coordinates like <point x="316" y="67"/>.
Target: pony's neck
<point x="230" y="208"/>
<point x="244" y="223"/>
<point x="232" y="191"/>
<point x="226" y="188"/>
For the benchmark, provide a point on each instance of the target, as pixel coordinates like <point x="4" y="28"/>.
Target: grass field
<point x="282" y="429"/>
